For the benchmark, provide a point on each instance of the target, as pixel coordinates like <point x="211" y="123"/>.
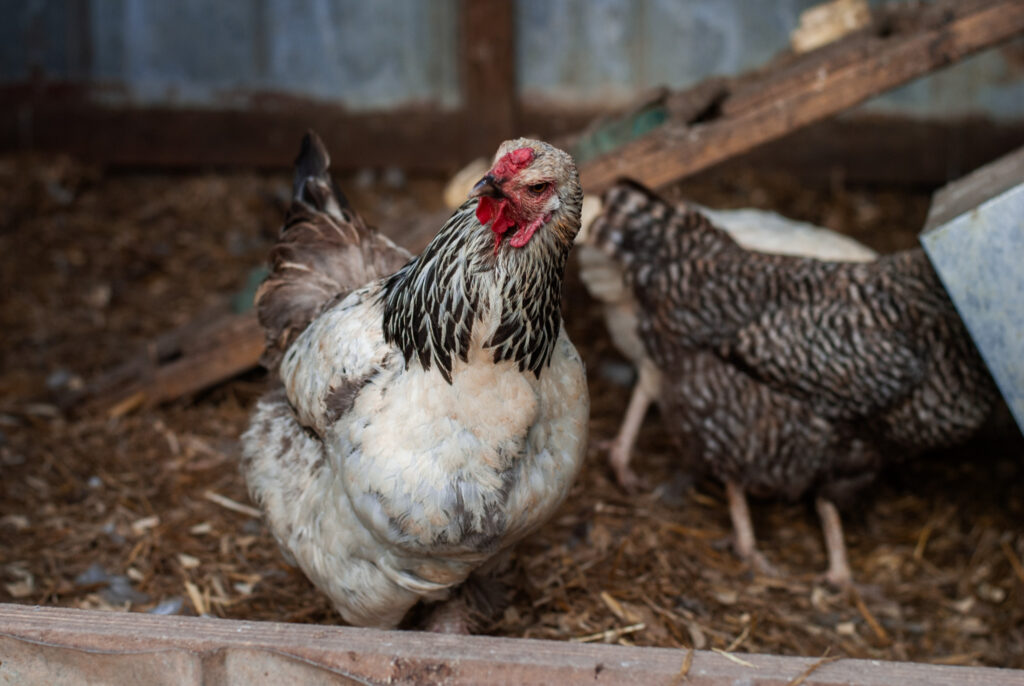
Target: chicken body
<point x="429" y="419"/>
<point x="785" y="375"/>
<point x="755" y="230"/>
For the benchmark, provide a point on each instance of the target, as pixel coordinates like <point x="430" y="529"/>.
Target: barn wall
<point x="368" y="55"/>
<point x="595" y="51"/>
<point x="390" y="53"/>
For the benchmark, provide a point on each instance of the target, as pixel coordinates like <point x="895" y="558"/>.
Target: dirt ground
<point x="140" y="512"/>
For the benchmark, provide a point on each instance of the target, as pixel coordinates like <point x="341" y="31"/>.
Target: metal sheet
<point x="390" y="53"/>
<point x="975" y="239"/>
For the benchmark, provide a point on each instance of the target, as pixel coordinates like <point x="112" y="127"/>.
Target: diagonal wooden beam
<point x="798" y="91"/>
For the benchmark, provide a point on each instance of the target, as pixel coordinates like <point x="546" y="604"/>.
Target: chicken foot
<point x="452" y="616"/>
<point x="620" y="449"/>
<point x="743" y="529"/>
<point x="477" y="602"/>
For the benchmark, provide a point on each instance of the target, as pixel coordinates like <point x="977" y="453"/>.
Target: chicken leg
<point x="477" y="602"/>
<point x="743" y="528"/>
<point x="452" y="616"/>
<point x="838" y="573"/>
<point x="620" y="451"/>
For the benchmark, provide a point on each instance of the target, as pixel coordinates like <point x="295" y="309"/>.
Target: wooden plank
<point x="891" y="150"/>
<point x="179" y="363"/>
<point x="976" y="188"/>
<point x="235" y="348"/>
<point x="488" y="61"/>
<point x="73" y="119"/>
<point x="262" y="132"/>
<point x="810" y="88"/>
<point x="51" y="645"/>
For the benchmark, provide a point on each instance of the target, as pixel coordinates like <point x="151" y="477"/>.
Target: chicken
<point x="430" y="417"/>
<point x="786" y="375"/>
<point x="753" y="229"/>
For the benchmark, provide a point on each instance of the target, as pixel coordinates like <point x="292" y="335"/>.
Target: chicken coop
<point x="148" y="164"/>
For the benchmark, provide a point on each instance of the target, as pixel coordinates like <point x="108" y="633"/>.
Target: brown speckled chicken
<point x="431" y="417"/>
<point x="781" y="375"/>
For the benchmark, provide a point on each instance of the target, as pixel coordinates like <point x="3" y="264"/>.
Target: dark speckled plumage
<point x="786" y="374"/>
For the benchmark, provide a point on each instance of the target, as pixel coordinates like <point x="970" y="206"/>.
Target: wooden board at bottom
<point x="59" y="645"/>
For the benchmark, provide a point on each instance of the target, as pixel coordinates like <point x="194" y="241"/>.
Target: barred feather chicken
<point x="784" y="375"/>
<point x="433" y="411"/>
<point x="753" y="229"/>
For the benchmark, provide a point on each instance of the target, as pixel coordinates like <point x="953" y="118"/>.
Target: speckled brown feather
<point x="783" y="374"/>
<point x="325" y="251"/>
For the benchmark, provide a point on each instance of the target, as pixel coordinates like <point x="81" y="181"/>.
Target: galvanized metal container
<point x="974" y="237"/>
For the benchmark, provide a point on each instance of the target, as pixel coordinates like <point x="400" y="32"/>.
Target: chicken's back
<point x="324" y="252"/>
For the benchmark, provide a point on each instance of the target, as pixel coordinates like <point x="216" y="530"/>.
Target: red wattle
<point x="485" y="209"/>
<point x="523" y="235"/>
<point x="489" y="208"/>
<point x="502" y="221"/>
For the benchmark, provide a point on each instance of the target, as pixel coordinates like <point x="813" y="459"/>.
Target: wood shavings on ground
<point x="130" y="512"/>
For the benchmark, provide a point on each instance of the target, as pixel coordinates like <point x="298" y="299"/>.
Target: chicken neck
<point x="436" y="307"/>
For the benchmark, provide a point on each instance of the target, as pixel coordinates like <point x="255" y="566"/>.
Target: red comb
<point x="511" y="163"/>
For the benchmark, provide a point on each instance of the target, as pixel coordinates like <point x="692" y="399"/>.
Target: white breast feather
<point x="414" y="461"/>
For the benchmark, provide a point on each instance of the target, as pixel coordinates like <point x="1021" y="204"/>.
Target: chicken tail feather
<point x="313" y="185"/>
<point x="324" y="252"/>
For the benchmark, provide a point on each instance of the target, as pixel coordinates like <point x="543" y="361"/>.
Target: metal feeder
<point x="974" y="237"/>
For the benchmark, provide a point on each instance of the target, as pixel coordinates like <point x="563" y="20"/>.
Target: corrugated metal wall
<point x="385" y="53"/>
<point x="369" y="55"/>
<point x="596" y="50"/>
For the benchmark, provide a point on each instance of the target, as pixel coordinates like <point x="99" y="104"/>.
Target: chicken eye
<point x="538" y="188"/>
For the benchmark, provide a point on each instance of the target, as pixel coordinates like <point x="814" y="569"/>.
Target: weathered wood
<point x="178" y="363"/>
<point x="816" y="85"/>
<point x="975" y="189"/>
<point x="57" y="645"/>
<point x="869" y="149"/>
<point x="488" y="70"/>
<point x="74" y="120"/>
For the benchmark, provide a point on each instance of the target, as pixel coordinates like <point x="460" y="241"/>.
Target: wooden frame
<point x="56" y="645"/>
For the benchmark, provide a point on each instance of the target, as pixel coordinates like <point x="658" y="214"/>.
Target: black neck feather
<point x="432" y="304"/>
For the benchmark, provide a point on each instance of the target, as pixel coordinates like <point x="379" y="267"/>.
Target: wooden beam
<point x="892" y="150"/>
<point x="488" y="69"/>
<point x="70" y="118"/>
<point x="801" y="90"/>
<point x="58" y="645"/>
<point x="209" y="350"/>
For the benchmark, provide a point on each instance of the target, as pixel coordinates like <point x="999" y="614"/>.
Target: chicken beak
<point x="486" y="187"/>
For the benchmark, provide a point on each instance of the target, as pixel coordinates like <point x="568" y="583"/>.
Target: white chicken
<point x="429" y="418"/>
